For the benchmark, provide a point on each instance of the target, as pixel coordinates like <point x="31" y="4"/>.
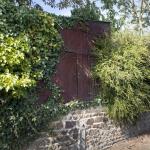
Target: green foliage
<point x="21" y="121"/>
<point x="15" y="67"/>
<point x="87" y="12"/>
<point x="33" y="45"/>
<point x="29" y="50"/>
<point x="118" y="12"/>
<point x="64" y="22"/>
<point x="123" y="65"/>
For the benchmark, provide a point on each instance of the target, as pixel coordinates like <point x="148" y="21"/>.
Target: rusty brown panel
<point x="85" y="81"/>
<point x="99" y="28"/>
<point x="79" y="41"/>
<point x="96" y="27"/>
<point x="75" y="41"/>
<point x="66" y="76"/>
<point x="93" y="27"/>
<point x="43" y="92"/>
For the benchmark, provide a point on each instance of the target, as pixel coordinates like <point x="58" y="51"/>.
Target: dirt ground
<point x="137" y="143"/>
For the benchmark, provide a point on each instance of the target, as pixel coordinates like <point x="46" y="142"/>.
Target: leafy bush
<point x="15" y="72"/>
<point x="87" y="12"/>
<point x="123" y="65"/>
<point x="29" y="50"/>
<point x="41" y="46"/>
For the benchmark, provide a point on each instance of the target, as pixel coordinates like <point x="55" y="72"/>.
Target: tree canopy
<point x="87" y="12"/>
<point x="120" y="12"/>
<point x="123" y="66"/>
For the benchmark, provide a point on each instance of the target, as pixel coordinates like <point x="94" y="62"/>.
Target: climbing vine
<point x="29" y="50"/>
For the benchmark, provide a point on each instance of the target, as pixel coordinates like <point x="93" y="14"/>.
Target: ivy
<point x="43" y="39"/>
<point x="62" y="22"/>
<point x="29" y="50"/>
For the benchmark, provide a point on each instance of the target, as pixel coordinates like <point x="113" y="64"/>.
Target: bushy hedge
<point x="32" y="32"/>
<point x="29" y="50"/>
<point x="123" y="65"/>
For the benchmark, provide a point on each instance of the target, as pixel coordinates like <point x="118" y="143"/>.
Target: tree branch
<point x="133" y="7"/>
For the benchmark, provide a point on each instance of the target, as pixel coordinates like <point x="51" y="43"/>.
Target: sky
<point x="57" y="11"/>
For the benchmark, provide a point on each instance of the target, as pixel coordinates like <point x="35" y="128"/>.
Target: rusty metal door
<point x="73" y="76"/>
<point x="73" y="72"/>
<point x="84" y="77"/>
<point x="66" y="76"/>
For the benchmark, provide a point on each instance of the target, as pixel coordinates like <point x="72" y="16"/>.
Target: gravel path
<point x="137" y="143"/>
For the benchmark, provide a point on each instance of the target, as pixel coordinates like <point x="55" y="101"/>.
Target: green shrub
<point x="15" y="74"/>
<point x="29" y="50"/>
<point x="123" y="65"/>
<point x="32" y="33"/>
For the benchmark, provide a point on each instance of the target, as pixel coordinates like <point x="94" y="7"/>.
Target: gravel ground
<point x="137" y="143"/>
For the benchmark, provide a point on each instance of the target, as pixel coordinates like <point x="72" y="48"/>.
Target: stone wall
<point x="89" y="129"/>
